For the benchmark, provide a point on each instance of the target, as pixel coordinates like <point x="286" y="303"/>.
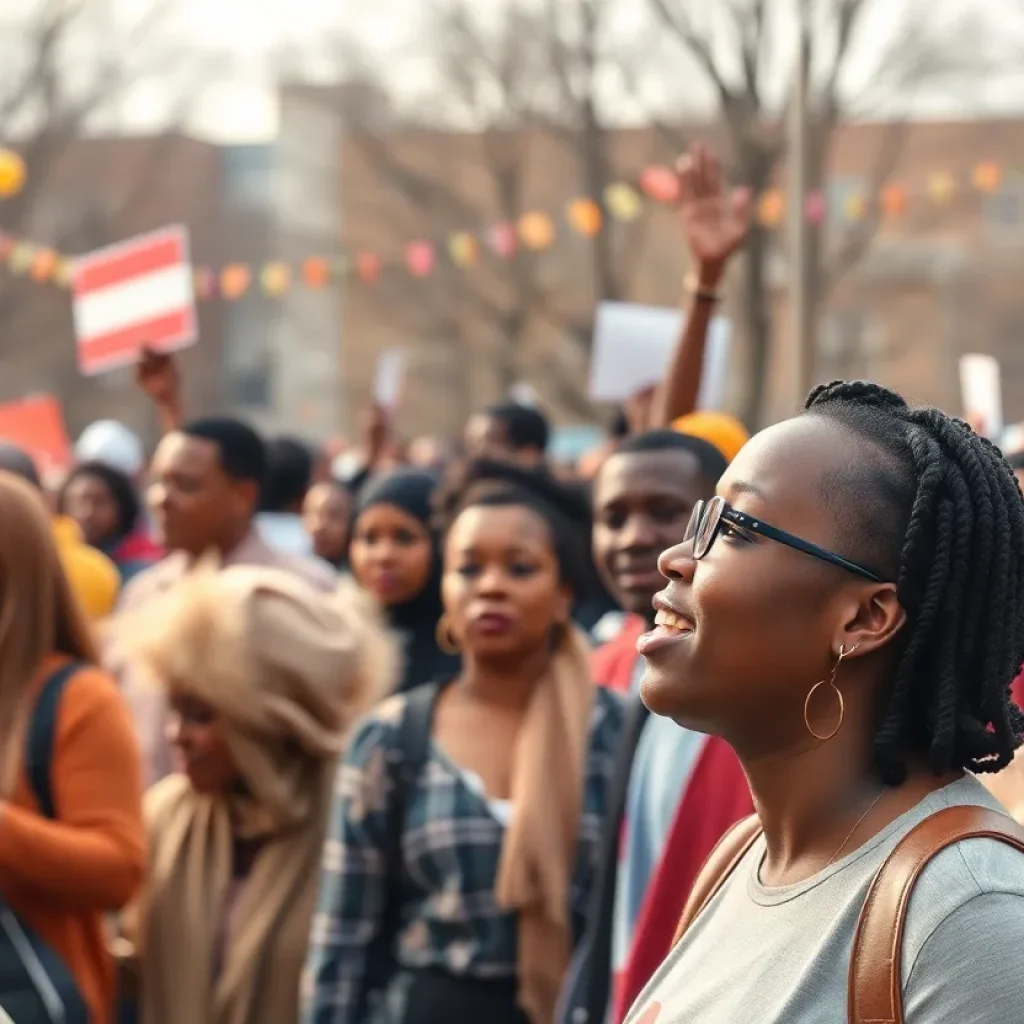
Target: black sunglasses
<point x="706" y="524"/>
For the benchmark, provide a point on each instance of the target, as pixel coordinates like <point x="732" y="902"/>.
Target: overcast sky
<point x="237" y="101"/>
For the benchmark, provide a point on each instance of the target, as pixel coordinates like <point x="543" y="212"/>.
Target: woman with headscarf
<point x="103" y="502"/>
<point x="477" y="901"/>
<point x="265" y="675"/>
<point x="72" y="840"/>
<point x="394" y="555"/>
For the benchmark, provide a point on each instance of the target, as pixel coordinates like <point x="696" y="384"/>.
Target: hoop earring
<point x="831" y="681"/>
<point x="445" y="638"/>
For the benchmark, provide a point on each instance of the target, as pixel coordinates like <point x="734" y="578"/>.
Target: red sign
<point x="36" y="425"/>
<point x="133" y="295"/>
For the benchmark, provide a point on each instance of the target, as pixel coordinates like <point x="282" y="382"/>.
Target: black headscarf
<point x="415" y="620"/>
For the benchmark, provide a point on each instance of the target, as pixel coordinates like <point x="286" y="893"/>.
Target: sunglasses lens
<point x="708" y="528"/>
<point x="694" y="524"/>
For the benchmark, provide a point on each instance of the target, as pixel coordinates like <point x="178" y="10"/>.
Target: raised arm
<point x="715" y="223"/>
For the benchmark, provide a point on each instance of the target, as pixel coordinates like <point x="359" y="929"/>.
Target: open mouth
<point x="670" y="621"/>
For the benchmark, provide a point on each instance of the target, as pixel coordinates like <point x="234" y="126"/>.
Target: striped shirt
<point x="451" y="849"/>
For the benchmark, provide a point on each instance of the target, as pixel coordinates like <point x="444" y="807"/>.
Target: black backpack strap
<point x="592" y="991"/>
<point x="414" y="748"/>
<point x="42" y="732"/>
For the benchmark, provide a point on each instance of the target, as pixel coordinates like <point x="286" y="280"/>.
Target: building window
<point x="248" y="352"/>
<point x="249" y="176"/>
<point x="1004" y="212"/>
<point x="842" y="192"/>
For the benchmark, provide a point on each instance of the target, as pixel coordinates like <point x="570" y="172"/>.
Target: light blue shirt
<point x="665" y="758"/>
<point x="284" y="532"/>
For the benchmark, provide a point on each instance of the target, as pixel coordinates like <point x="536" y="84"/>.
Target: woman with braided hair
<point x="848" y="613"/>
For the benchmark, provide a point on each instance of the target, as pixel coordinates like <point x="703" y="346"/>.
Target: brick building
<point x="937" y="281"/>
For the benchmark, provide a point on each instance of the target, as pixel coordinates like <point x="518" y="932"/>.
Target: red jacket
<point x="614" y="662"/>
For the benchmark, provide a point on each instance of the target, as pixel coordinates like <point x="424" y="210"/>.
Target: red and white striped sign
<point x="133" y="295"/>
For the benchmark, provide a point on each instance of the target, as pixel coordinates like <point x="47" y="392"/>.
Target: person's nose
<point x="638" y="534"/>
<point x="678" y="563"/>
<point x="384" y="552"/>
<point x="492" y="582"/>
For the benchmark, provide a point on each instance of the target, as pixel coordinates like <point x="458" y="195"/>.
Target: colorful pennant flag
<point x="623" y="202"/>
<point x="660" y="183"/>
<point x="535" y="231"/>
<point x="585" y="216"/>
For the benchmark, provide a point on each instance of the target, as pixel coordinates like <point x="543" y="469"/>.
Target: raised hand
<point x="158" y="377"/>
<point x="715" y="221"/>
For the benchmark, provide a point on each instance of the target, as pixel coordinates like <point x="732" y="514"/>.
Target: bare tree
<point x="858" y="66"/>
<point x="68" y="68"/>
<point x="517" y="100"/>
<point x="66" y="77"/>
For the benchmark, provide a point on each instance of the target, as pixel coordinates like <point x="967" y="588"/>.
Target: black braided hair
<point x="565" y="509"/>
<point x="937" y="509"/>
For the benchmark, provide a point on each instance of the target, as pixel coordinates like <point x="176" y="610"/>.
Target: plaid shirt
<point x="451" y="850"/>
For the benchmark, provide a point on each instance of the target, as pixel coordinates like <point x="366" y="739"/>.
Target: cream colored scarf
<point x="285" y="669"/>
<point x="540" y="848"/>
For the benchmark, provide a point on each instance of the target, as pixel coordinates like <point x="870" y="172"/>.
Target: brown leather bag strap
<point x="717" y="868"/>
<point x="875" y="990"/>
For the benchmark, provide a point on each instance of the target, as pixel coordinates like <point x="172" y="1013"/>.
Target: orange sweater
<point x="62" y="877"/>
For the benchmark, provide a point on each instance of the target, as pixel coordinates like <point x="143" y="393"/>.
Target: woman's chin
<point x="661" y="695"/>
<point x="667" y="697"/>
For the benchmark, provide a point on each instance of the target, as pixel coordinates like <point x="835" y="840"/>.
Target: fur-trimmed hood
<point x="276" y="659"/>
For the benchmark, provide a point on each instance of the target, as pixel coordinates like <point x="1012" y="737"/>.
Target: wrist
<point x="695" y="290"/>
<point x="708" y="276"/>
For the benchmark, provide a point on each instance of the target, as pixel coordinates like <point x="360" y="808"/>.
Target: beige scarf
<point x="286" y="669"/>
<point x="539" y="852"/>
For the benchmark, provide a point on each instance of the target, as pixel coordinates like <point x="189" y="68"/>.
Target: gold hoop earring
<point x="445" y="638"/>
<point x="831" y="681"/>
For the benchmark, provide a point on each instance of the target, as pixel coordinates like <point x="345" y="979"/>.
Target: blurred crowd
<point x="358" y="738"/>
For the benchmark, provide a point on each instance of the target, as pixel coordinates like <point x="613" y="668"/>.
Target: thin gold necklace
<point x="860" y="821"/>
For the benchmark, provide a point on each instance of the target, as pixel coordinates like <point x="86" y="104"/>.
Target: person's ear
<point x="247" y="493"/>
<point x="871" y="621"/>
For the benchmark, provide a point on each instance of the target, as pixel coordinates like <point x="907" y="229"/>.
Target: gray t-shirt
<point x="781" y="956"/>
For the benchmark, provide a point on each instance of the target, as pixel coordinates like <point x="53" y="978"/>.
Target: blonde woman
<point x="72" y="840"/>
<point x="264" y="676"/>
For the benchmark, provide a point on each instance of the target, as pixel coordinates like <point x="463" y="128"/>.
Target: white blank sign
<point x="390" y="378"/>
<point x="982" y="393"/>
<point x="633" y="346"/>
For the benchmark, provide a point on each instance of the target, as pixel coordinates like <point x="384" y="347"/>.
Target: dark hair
<point x="525" y="427"/>
<point x="712" y="462"/>
<point x="288" y="474"/>
<point x="120" y="487"/>
<point x="243" y="455"/>
<point x="1016" y="460"/>
<point x="18" y="462"/>
<point x="619" y="429"/>
<point x="935" y="508"/>
<point x="495" y="484"/>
